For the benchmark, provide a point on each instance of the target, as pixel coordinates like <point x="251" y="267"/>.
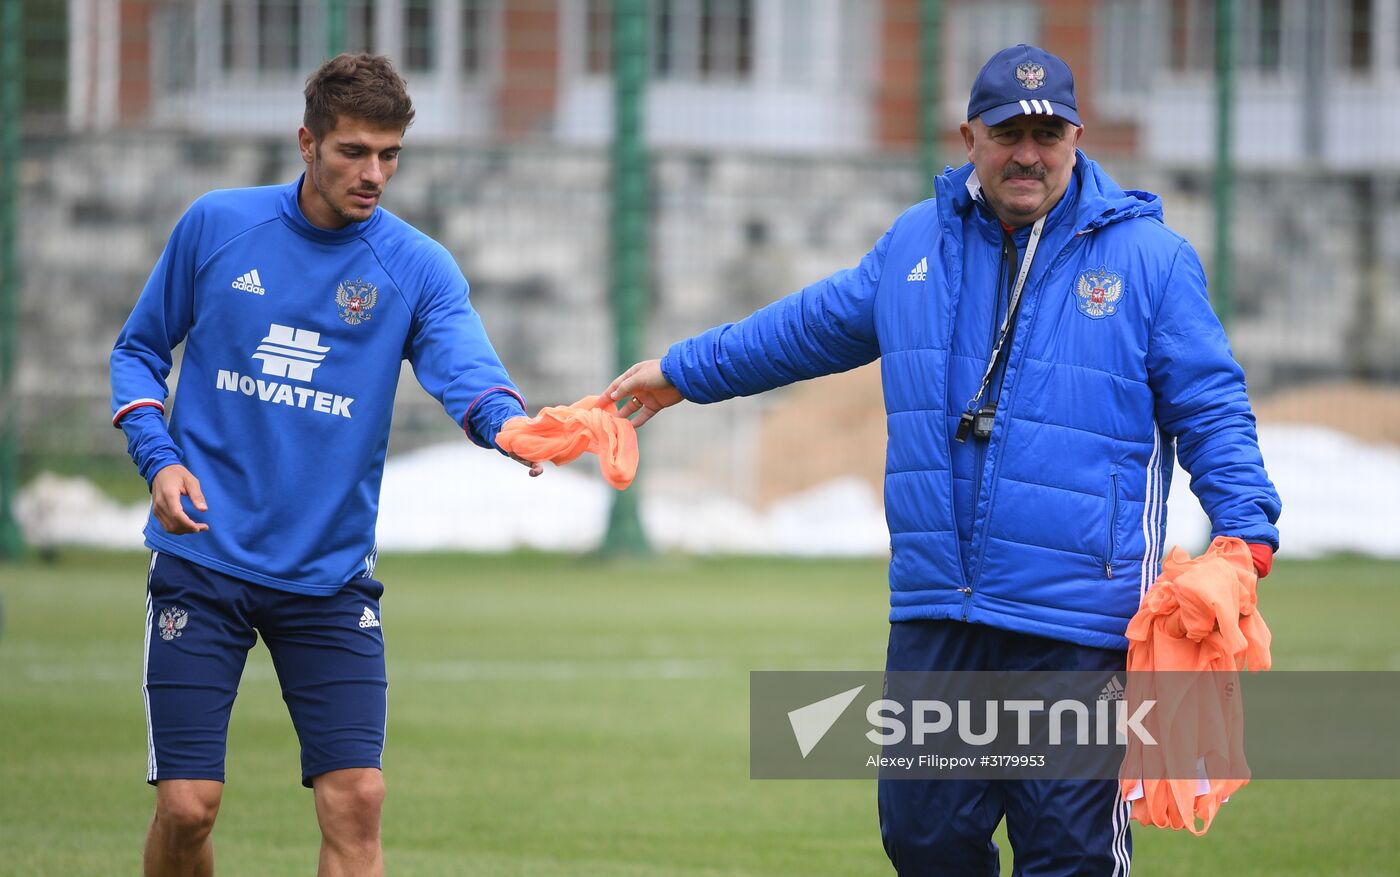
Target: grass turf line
<point x="550" y="716"/>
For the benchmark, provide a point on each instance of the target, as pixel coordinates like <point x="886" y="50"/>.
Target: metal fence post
<point x="630" y="243"/>
<point x="930" y="52"/>
<point x="1222" y="284"/>
<point x="11" y="108"/>
<point x="335" y="27"/>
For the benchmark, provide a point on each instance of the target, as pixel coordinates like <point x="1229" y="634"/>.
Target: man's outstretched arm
<point x="646" y="389"/>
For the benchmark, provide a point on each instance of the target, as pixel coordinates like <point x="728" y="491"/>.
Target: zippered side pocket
<point x="1111" y="541"/>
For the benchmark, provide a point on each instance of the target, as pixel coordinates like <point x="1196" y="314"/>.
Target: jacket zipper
<point x="1112" y="539"/>
<point x="994" y="460"/>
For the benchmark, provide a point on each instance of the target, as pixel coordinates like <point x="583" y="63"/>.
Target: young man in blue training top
<point x="296" y="305"/>
<point x="1046" y="347"/>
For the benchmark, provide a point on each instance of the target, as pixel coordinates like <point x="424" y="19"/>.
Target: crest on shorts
<point x="1031" y="75"/>
<point x="355" y="298"/>
<point x="172" y="622"/>
<point x="1098" y="293"/>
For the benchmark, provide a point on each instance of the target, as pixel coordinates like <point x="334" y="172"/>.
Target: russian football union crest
<point x="1098" y="293"/>
<point x="355" y="298"/>
<point x="1031" y="75"/>
<point x="172" y="622"/>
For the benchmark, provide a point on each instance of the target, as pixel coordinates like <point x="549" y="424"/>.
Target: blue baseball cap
<point x="1023" y="81"/>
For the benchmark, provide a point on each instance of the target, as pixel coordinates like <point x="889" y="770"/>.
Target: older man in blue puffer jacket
<point x="1047" y="346"/>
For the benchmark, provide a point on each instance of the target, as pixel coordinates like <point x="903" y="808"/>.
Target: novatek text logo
<point x="250" y="282"/>
<point x="290" y="353"/>
<point x="287" y="353"/>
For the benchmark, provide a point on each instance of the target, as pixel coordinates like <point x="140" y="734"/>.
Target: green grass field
<point x="552" y="716"/>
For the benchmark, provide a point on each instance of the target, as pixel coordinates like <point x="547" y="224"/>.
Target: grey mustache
<point x="1019" y="172"/>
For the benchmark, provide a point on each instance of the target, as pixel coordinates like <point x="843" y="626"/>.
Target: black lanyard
<point x="980" y="421"/>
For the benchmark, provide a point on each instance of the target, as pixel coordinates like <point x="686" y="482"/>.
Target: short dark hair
<point x="361" y="86"/>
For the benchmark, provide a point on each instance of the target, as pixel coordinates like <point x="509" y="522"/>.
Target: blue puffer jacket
<point x="1117" y="363"/>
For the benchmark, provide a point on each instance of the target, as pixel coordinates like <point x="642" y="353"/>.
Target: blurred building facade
<point x="784" y="136"/>
<point x="818" y="76"/>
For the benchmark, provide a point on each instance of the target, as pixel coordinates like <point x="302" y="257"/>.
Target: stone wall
<point x="1314" y="273"/>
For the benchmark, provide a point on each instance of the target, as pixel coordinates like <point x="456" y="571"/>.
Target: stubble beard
<point x="328" y="197"/>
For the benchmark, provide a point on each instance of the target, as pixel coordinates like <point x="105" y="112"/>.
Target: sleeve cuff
<point x="1263" y="557"/>
<point x="488" y="412"/>
<point x="157" y="462"/>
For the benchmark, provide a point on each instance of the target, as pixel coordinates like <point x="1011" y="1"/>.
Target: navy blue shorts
<point x="1057" y="828"/>
<point x="328" y="653"/>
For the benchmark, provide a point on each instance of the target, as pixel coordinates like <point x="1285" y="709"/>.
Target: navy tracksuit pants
<point x="1057" y="828"/>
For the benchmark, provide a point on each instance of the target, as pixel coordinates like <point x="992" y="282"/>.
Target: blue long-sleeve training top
<point x="294" y="336"/>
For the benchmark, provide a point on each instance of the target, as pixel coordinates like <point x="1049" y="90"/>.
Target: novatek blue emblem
<point x="1031" y="75"/>
<point x="1098" y="293"/>
<point x="355" y="298"/>
<point x="172" y="623"/>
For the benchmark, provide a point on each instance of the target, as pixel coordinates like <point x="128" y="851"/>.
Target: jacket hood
<point x="1101" y="200"/>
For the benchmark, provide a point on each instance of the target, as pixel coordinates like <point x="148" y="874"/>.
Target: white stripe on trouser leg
<point x="1166" y="456"/>
<point x="1122" y="811"/>
<point x="1149" y="528"/>
<point x="145" y="676"/>
<point x="1113" y="847"/>
<point x="1123" y="839"/>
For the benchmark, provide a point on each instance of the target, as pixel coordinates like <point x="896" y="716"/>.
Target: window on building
<point x="1269" y="37"/>
<point x="797" y="60"/>
<point x="726" y="38"/>
<point x="858" y="23"/>
<point x="260" y="37"/>
<point x="359" y="25"/>
<point x="1129" y="48"/>
<point x="1267" y="31"/>
<point x="473" y="36"/>
<point x="1356" y="45"/>
<point x="1191" y="36"/>
<point x="418" y="46"/>
<point x="279" y="35"/>
<point x="173" y="53"/>
<point x="977" y="30"/>
<point x="228" y="31"/>
<point x="598" y="36"/>
<point x="1280" y="39"/>
<point x="690" y="39"/>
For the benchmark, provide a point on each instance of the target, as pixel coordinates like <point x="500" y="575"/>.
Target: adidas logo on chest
<point x="919" y="272"/>
<point x="250" y="282"/>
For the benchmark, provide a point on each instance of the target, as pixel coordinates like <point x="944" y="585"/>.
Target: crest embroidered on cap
<point x="355" y="298"/>
<point x="172" y="622"/>
<point x="1031" y="75"/>
<point x="1098" y="293"/>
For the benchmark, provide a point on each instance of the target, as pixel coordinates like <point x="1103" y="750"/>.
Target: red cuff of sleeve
<point x="1263" y="558"/>
<point x="132" y="406"/>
